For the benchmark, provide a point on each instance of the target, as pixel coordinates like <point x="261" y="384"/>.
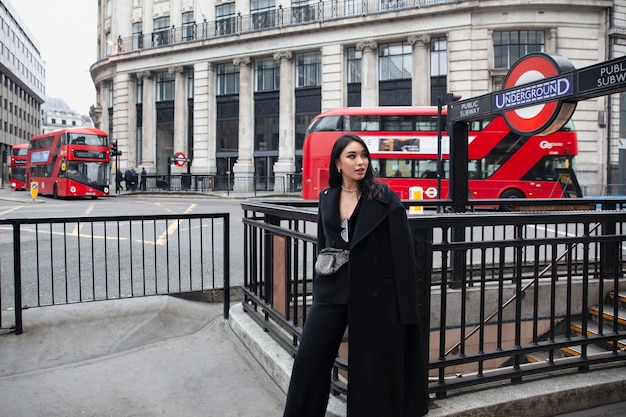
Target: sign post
<point x="539" y="96"/>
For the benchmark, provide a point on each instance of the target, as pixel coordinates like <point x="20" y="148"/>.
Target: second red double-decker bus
<point x="17" y="166"/>
<point x="404" y="148"/>
<point x="71" y="162"/>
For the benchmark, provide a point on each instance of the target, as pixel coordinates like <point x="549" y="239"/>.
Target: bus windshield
<point x="88" y="173"/>
<point x="85" y="139"/>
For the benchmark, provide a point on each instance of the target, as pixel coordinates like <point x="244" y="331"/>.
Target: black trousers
<point x="311" y="375"/>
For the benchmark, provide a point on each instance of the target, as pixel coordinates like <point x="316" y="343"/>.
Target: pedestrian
<point x="118" y="180"/>
<point x="374" y="294"/>
<point x="133" y="179"/>
<point x="142" y="182"/>
<point x="128" y="178"/>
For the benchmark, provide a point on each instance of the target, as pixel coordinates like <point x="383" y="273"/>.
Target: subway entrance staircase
<point x="606" y="314"/>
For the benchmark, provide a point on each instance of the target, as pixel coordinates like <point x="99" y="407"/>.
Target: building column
<point x="204" y="119"/>
<point x="369" y="73"/>
<point x="420" y="81"/>
<point x="124" y="119"/>
<point x="148" y="123"/>
<point x="211" y="119"/>
<point x="96" y="112"/>
<point x="244" y="167"/>
<point x="286" y="129"/>
<point x="181" y="112"/>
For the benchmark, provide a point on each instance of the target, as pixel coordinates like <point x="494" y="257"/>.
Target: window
<point x="354" y="65"/>
<point x="438" y="58"/>
<point x="139" y="90"/>
<point x="161" y="34"/>
<point x="108" y="44"/>
<point x="353" y="7"/>
<point x="395" y="61"/>
<point x="303" y="10"/>
<point x="165" y="86"/>
<point x="267" y="74"/>
<point x="438" y="70"/>
<point x="189" y="27"/>
<point x="225" y="19"/>
<point x="137" y="35"/>
<point x="190" y="83"/>
<point x="309" y="69"/>
<point x="262" y="14"/>
<point x="227" y="79"/>
<point x="110" y="94"/>
<point x="266" y="133"/>
<point x="392" y="4"/>
<point x="511" y="45"/>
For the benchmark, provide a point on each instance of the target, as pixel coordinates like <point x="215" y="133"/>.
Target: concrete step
<point x="607" y="314"/>
<point x="592" y="330"/>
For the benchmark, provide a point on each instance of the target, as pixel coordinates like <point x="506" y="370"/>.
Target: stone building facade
<point x="233" y="84"/>
<point x="22" y="82"/>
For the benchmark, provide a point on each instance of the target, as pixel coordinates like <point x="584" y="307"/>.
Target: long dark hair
<point x="368" y="186"/>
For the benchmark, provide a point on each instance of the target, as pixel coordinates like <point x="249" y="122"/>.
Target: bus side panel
<point x="317" y="148"/>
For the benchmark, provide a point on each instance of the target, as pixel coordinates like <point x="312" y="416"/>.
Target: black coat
<point x="387" y="367"/>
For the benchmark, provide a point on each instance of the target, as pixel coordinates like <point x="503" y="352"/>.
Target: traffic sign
<point x="180" y="159"/>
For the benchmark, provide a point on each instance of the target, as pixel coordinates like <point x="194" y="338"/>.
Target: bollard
<point x="416" y="193"/>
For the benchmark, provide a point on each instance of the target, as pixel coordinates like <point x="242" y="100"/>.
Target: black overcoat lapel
<point x="371" y="214"/>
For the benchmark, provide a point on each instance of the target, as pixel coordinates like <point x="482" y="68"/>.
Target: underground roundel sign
<point x="180" y="159"/>
<point x="523" y="84"/>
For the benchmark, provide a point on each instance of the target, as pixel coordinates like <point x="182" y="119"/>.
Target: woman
<point x="375" y="293"/>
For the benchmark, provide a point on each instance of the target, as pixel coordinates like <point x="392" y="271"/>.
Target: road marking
<point x="76" y="230"/>
<point x="10" y="210"/>
<point x="172" y="227"/>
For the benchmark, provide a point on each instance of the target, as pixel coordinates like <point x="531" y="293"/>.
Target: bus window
<point x="544" y="170"/>
<point x="397" y="123"/>
<point x="478" y="125"/>
<point x="328" y="124"/>
<point x="426" y="168"/>
<point x="429" y="123"/>
<point x="363" y="123"/>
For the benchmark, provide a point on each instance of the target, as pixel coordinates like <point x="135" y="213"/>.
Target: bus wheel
<point x="55" y="191"/>
<point x="510" y="194"/>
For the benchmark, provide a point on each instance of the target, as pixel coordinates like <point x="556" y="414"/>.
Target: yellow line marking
<point x="76" y="231"/>
<point x="172" y="227"/>
<point x="10" y="210"/>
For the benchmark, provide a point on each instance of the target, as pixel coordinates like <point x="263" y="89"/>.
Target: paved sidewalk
<point x="145" y="357"/>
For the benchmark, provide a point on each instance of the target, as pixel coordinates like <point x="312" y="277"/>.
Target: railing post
<point x="459" y="192"/>
<point x="422" y="245"/>
<point x="608" y="250"/>
<point x="17" y="277"/>
<point x="226" y="265"/>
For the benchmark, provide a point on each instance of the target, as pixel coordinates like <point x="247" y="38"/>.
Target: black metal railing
<point x="218" y="183"/>
<point x="52" y="261"/>
<point x="498" y="288"/>
<point x="267" y="19"/>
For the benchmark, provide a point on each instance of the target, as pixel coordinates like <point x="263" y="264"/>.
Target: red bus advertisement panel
<point x="404" y="146"/>
<point x="72" y="162"/>
<point x="17" y="166"/>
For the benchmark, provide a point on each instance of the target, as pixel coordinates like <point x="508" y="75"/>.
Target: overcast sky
<point x="66" y="32"/>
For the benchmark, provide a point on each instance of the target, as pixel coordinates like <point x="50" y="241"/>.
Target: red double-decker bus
<point x="17" y="166"/>
<point x="71" y="162"/>
<point x="404" y="147"/>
